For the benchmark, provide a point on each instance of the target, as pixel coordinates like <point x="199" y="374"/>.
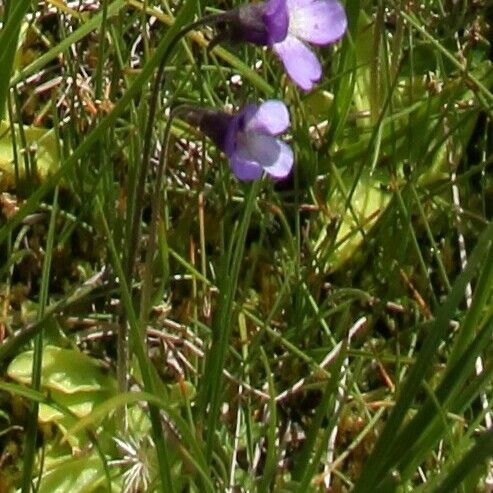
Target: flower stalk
<point x="157" y="206"/>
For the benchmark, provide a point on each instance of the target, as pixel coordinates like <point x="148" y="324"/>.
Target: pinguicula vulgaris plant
<point x="249" y="137"/>
<point x="287" y="26"/>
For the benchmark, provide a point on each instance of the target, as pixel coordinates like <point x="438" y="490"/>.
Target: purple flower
<point x="287" y="26"/>
<point x="249" y="139"/>
<point x="319" y="22"/>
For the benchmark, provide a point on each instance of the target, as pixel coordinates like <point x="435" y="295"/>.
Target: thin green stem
<point x="145" y="300"/>
<point x="102" y="36"/>
<point x="222" y="326"/>
<point x="32" y="426"/>
<point x="135" y="212"/>
<point x="144" y="363"/>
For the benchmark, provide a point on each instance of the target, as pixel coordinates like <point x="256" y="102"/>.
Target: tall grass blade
<point x="383" y="455"/>
<point x="211" y="383"/>
<point x="32" y="429"/>
<point x="9" y="36"/>
<point x="476" y="457"/>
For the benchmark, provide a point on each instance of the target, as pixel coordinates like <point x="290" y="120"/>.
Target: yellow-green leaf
<point x="74" y="475"/>
<point x="42" y="147"/>
<point x="65" y="370"/>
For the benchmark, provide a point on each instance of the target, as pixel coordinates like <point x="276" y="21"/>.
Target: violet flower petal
<point x="276" y="20"/>
<point x="284" y="163"/>
<point x="244" y="169"/>
<point x="300" y="62"/>
<point x="248" y="137"/>
<point x="271" y="117"/>
<point x="270" y="153"/>
<point x="317" y="21"/>
<point x="259" y="152"/>
<point x="260" y="148"/>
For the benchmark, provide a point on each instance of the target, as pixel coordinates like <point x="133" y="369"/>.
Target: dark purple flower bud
<point x="249" y="138"/>
<point x="263" y="23"/>
<point x="217" y="125"/>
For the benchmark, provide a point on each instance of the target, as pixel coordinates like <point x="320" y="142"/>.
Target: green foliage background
<point x="331" y="332"/>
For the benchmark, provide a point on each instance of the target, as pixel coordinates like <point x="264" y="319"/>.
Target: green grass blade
<point x="316" y="440"/>
<point x="383" y="457"/>
<point x="9" y="36"/>
<point x="98" y="132"/>
<point x="144" y="362"/>
<point x="452" y="395"/>
<point x="482" y="296"/>
<point x="32" y="428"/>
<point x="222" y="326"/>
<point x="476" y="457"/>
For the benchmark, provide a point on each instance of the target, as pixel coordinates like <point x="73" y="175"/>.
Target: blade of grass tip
<point x="143" y="360"/>
<point x="32" y="426"/>
<point x="477" y="456"/>
<point x="213" y="373"/>
<point x="98" y="132"/>
<point x="8" y="41"/>
<point x="383" y="457"/>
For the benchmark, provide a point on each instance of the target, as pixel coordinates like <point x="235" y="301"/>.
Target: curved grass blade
<point x="383" y="457"/>
<point x="9" y="36"/>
